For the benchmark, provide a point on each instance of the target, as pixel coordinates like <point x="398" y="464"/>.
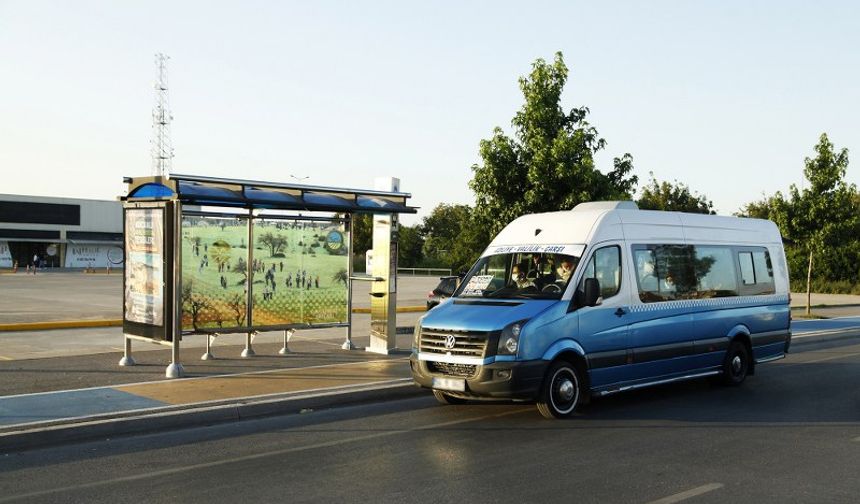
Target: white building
<point x="63" y="232"/>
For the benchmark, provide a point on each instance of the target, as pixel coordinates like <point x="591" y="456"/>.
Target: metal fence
<point x="424" y="271"/>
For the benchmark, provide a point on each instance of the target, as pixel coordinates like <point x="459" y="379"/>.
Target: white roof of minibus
<point x="604" y="220"/>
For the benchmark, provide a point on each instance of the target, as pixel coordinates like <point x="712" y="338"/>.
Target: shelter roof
<point x="213" y="191"/>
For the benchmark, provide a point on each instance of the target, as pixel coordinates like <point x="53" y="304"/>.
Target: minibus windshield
<point x="531" y="275"/>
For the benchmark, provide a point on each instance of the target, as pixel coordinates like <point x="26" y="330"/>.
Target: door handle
<point x="620" y="312"/>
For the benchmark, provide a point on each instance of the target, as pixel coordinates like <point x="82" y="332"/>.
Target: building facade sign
<point x="83" y="256"/>
<point x="5" y="255"/>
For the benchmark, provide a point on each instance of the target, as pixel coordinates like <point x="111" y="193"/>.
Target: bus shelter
<point x="209" y="256"/>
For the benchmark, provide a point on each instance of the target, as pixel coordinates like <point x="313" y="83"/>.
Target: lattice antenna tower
<point x="161" y="147"/>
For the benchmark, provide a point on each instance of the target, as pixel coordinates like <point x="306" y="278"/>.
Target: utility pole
<point x="160" y="145"/>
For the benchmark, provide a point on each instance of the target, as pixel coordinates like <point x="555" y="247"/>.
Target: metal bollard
<point x="208" y="355"/>
<point x="127" y="359"/>
<point x="249" y="351"/>
<point x="288" y="334"/>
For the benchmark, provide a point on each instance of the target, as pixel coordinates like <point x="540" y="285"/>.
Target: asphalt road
<point x="789" y="434"/>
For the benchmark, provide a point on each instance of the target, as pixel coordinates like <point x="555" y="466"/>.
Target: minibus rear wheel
<point x="444" y="398"/>
<point x="561" y="390"/>
<point x="737" y="363"/>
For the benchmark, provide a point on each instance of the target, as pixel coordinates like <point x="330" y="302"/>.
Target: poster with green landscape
<point x="214" y="269"/>
<point x="298" y="270"/>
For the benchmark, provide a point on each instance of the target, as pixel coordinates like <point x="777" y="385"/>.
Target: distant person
<point x="35" y="262"/>
<point x="317" y="281"/>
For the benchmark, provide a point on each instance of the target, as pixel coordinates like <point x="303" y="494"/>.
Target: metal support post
<point x="288" y="334"/>
<point x="248" y="351"/>
<point x="127" y="359"/>
<point x="348" y="345"/>
<point x="208" y="355"/>
<point x="175" y="369"/>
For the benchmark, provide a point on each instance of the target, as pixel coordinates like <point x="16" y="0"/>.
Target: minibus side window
<point x="747" y="269"/>
<point x="756" y="272"/>
<point x="665" y="272"/>
<point x="715" y="272"/>
<point x="605" y="266"/>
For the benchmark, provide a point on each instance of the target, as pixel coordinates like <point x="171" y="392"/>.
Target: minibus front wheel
<point x="561" y="390"/>
<point x="736" y="365"/>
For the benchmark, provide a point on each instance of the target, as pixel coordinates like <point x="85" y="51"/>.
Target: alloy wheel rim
<point x="737" y="365"/>
<point x="565" y="391"/>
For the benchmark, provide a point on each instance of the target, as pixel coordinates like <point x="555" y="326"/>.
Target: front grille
<point x="445" y="368"/>
<point x="466" y="344"/>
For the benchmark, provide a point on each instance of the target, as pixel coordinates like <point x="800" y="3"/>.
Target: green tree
<point x="675" y="197"/>
<point x="549" y="163"/>
<point x="275" y="243"/>
<point x="409" y="247"/>
<point x="819" y="222"/>
<point x="826" y="210"/>
<point x="452" y="238"/>
<point x="362" y="233"/>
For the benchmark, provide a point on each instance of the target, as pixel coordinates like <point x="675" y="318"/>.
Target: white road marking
<point x="857" y="439"/>
<point x="693" y="492"/>
<point x="256" y="456"/>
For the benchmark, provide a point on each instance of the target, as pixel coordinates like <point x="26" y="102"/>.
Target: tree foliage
<point x="362" y="233"/>
<point x="410" y="245"/>
<point x="820" y="221"/>
<point x="673" y="196"/>
<point x="451" y="237"/>
<point x="548" y="164"/>
<point x="274" y="242"/>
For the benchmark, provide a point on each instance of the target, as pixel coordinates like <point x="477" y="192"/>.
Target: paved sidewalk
<point x="798" y="299"/>
<point x="140" y="397"/>
<point x="63" y="399"/>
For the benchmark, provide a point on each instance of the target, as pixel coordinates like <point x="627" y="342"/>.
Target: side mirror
<point x="591" y="295"/>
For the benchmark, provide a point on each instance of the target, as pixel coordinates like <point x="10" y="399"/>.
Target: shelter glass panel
<point x="214" y="272"/>
<point x="300" y="271"/>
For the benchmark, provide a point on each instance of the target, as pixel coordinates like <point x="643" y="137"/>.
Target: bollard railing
<point x="424" y="271"/>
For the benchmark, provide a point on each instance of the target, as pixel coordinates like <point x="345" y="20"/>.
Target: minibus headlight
<point x="416" y="336"/>
<point x="509" y="341"/>
<point x="511" y="345"/>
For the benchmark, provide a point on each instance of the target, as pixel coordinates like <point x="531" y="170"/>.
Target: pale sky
<point x="726" y="96"/>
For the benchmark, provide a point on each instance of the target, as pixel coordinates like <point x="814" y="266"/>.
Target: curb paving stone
<point x="30" y="436"/>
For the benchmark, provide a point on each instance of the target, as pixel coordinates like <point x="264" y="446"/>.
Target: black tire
<point x="561" y="391"/>
<point x="736" y="365"/>
<point x="444" y="398"/>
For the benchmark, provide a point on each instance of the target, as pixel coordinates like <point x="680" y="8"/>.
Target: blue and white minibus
<point x="605" y="298"/>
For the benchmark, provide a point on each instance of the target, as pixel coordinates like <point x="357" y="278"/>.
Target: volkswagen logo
<point x="450" y="341"/>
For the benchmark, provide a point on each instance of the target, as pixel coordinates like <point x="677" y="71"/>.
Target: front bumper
<point x="520" y="380"/>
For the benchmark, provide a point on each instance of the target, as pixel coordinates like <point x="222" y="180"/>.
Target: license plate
<point x="454" y="384"/>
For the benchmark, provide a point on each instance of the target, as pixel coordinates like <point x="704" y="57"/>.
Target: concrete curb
<point x="35" y="435"/>
<point x="824" y="336"/>
<point x="82" y="324"/>
<point x="60" y="324"/>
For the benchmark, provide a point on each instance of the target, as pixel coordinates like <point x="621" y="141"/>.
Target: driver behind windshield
<point x="518" y="277"/>
<point x="565" y="270"/>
